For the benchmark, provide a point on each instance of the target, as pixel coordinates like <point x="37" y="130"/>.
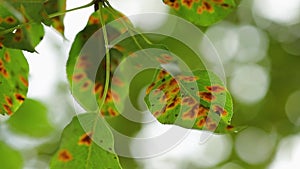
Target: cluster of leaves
<point x="87" y="138"/>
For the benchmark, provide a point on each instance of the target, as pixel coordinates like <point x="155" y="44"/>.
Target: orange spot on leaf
<point x="4" y="72"/>
<point x="20" y="97"/>
<point x="188" y="100"/>
<point x="187" y="78"/>
<point x="94" y="21"/>
<point x="219" y="110"/>
<point x="86" y="85"/>
<point x="172" y="3"/>
<point x="10" y="20"/>
<point x="215" y="88"/>
<point x="201" y="122"/>
<point x="199" y="10"/>
<point x="98" y="88"/>
<point x="7" y="57"/>
<point x="207" y="96"/>
<point x="188" y="3"/>
<point x="162" y="74"/>
<point x="112" y="112"/>
<point x="167" y="57"/>
<point x="7" y="109"/>
<point x="8" y="101"/>
<point x="64" y="156"/>
<point x="119" y="48"/>
<point x="115" y="96"/>
<point x="24" y="81"/>
<point x="150" y="88"/>
<point x="229" y="127"/>
<point x="208" y="6"/>
<point x="117" y="81"/>
<point x="86" y="139"/>
<point x="78" y="77"/>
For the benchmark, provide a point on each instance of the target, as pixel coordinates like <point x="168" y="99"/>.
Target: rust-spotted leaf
<point x="54" y="6"/>
<point x="197" y="100"/>
<point x="86" y="64"/>
<point x="20" y="24"/>
<point x="87" y="143"/>
<point x="13" y="80"/>
<point x="202" y="12"/>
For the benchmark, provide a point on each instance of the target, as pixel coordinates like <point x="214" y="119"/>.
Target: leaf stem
<point x="73" y="9"/>
<point x="50" y="16"/>
<point x="128" y="26"/>
<point x="107" y="56"/>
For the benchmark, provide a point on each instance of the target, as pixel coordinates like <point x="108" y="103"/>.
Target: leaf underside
<point x="197" y="100"/>
<point x="21" y="22"/>
<point x="86" y="68"/>
<point x="202" y="12"/>
<point x="86" y="73"/>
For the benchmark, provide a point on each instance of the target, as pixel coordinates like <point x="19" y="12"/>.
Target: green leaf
<point x="10" y="158"/>
<point x="85" y="74"/>
<point x="25" y="38"/>
<point x="31" y="119"/>
<point x="197" y="100"/>
<point x="55" y="6"/>
<point x="202" y="12"/>
<point x="87" y="143"/>
<point x="20" y="26"/>
<point x="32" y="10"/>
<point x="13" y="80"/>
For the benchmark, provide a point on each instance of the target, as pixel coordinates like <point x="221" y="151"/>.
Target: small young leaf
<point x="10" y="158"/>
<point x="87" y="143"/>
<point x="13" y="80"/>
<point x="197" y="100"/>
<point x="31" y="119"/>
<point x="202" y="12"/>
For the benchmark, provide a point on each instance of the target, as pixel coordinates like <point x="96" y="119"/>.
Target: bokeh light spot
<point x="249" y="83"/>
<point x="292" y="108"/>
<point x="254" y="145"/>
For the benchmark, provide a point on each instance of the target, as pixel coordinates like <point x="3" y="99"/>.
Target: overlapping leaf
<point x="13" y="80"/>
<point x="87" y="74"/>
<point x="202" y="12"/>
<point x="31" y="119"/>
<point x="86" y="64"/>
<point x="54" y="6"/>
<point x="20" y="23"/>
<point x="87" y="143"/>
<point x="197" y="100"/>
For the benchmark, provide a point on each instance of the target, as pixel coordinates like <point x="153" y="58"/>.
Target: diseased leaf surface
<point x="13" y="80"/>
<point x="87" y="143"/>
<point x="198" y="100"/>
<point x="54" y="6"/>
<point x="20" y="23"/>
<point x="86" y="68"/>
<point x="87" y="75"/>
<point x="31" y="119"/>
<point x="202" y="12"/>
